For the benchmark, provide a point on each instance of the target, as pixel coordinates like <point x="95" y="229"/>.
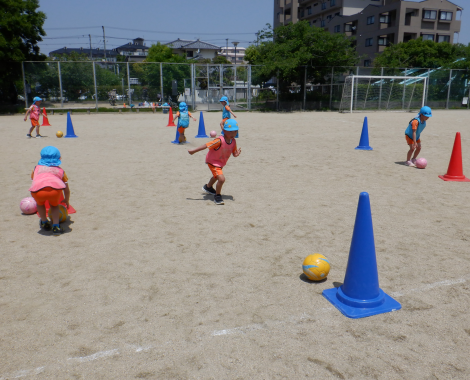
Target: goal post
<point x="376" y="92"/>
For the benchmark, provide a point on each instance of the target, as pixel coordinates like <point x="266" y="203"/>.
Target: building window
<point x="302" y="13"/>
<point x="445" y="16"/>
<point x="382" y="41"/>
<point x="427" y="37"/>
<point x="278" y="16"/>
<point x="332" y="3"/>
<point x="384" y="19"/>
<point x="328" y="17"/>
<point x="367" y="62"/>
<point x="370" y="20"/>
<point x="429" y="15"/>
<point x="309" y="10"/>
<point x="337" y="14"/>
<point x="323" y="5"/>
<point x="347" y="27"/>
<point x="443" y="38"/>
<point x="322" y="24"/>
<point x="369" y="41"/>
<point x="189" y="54"/>
<point x="337" y="28"/>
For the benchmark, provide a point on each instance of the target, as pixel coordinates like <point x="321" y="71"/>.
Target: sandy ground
<point x="153" y="280"/>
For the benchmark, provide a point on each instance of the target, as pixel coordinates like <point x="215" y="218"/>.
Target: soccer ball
<point x="421" y="163"/>
<point x="213" y="133"/>
<point x="28" y="205"/>
<point x="316" y="267"/>
<point x="62" y="213"/>
<point x="59" y="134"/>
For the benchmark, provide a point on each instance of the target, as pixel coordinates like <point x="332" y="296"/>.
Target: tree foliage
<point x="20" y="31"/>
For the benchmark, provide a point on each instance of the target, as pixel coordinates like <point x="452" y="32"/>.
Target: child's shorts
<point x="35" y="123"/>
<point x="181" y="130"/>
<point x="216" y="171"/>
<point x="410" y="141"/>
<point x="47" y="194"/>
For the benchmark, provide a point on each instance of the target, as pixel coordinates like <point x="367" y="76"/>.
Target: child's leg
<point x="417" y="150"/>
<point x="220" y="183"/>
<point x="37" y="129"/>
<point x="55" y="213"/>
<point x="31" y="129"/>
<point x="42" y="212"/>
<point x="410" y="152"/>
<point x="211" y="182"/>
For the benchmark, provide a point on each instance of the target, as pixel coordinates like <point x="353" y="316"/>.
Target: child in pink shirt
<point x="34" y="112"/>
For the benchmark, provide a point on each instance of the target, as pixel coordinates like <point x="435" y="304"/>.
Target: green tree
<point x="20" y="31"/>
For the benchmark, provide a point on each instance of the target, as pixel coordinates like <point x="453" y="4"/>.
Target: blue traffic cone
<point x="201" y="133"/>
<point x="360" y="295"/>
<point x="176" y="141"/>
<point x="70" y="131"/>
<point x="364" y="142"/>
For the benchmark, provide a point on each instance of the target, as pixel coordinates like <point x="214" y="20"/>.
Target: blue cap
<point x="37" y="99"/>
<point x="223" y="99"/>
<point x="425" y="111"/>
<point x="183" y="106"/>
<point x="231" y="125"/>
<point x="50" y="156"/>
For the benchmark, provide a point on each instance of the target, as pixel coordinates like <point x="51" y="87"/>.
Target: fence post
<point x="235" y="84"/>
<point x="305" y="89"/>
<point x="129" y="86"/>
<point x="193" y="88"/>
<point x="207" y="88"/>
<point x="277" y="91"/>
<point x="448" y="89"/>
<point x="96" y="89"/>
<point x="221" y="80"/>
<point x="248" y="92"/>
<point x="161" y="83"/>
<point x="331" y="87"/>
<point x="60" y="86"/>
<point x="380" y="88"/>
<point x="403" y="95"/>
<point x="355" y="96"/>
<point x="429" y="85"/>
<point x="24" y="86"/>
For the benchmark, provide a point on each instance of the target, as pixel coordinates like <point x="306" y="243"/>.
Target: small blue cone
<point x="201" y="133"/>
<point x="70" y="131"/>
<point x="364" y="142"/>
<point x="360" y="295"/>
<point x="177" y="136"/>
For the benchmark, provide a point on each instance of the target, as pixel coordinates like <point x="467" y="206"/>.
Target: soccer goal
<point x="365" y="92"/>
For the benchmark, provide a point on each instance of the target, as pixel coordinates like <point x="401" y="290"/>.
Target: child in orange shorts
<point x="183" y="114"/>
<point x="34" y="112"/>
<point x="49" y="180"/>
<point x="220" y="151"/>
<point x="226" y="112"/>
<point x="413" y="133"/>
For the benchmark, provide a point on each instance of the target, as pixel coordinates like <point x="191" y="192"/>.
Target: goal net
<point x="365" y="92"/>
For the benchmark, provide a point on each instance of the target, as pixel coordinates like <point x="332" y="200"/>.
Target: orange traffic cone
<point x="45" y="120"/>
<point x="455" y="170"/>
<point x="170" y="119"/>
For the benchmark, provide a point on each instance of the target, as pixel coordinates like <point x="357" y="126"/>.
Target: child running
<point x="226" y="112"/>
<point x="49" y="180"/>
<point x="183" y="114"/>
<point x="34" y="112"/>
<point x="220" y="150"/>
<point x="413" y="133"/>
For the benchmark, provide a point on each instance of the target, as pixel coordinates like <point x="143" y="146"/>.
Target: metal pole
<point x="193" y="88"/>
<point x="24" y="86"/>
<point x="305" y="88"/>
<point x="235" y="81"/>
<point x="357" y="85"/>
<point x="380" y="89"/>
<point x="277" y="91"/>
<point x="221" y="80"/>
<point x="91" y="55"/>
<point x="104" y="41"/>
<point x="331" y="87"/>
<point x="226" y="49"/>
<point x="428" y="84"/>
<point x="352" y="92"/>
<point x="60" y="86"/>
<point x="403" y="95"/>
<point x="161" y="82"/>
<point x="96" y="88"/>
<point x="207" y="87"/>
<point x="248" y="98"/>
<point x="129" y="86"/>
<point x="448" y="89"/>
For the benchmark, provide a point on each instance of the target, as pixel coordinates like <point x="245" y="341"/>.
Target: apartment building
<point x="375" y="24"/>
<point x="231" y="53"/>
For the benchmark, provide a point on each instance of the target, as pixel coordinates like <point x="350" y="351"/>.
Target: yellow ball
<point x="59" y="134"/>
<point x="62" y="213"/>
<point x="316" y="267"/>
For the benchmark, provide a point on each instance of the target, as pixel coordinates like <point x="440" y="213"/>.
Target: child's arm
<point x="237" y="152"/>
<point x="232" y="112"/>
<point x="195" y="150"/>
<point x="189" y="113"/>
<point x="177" y="115"/>
<point x="27" y="113"/>
<point x="414" y="139"/>
<point x="67" y="195"/>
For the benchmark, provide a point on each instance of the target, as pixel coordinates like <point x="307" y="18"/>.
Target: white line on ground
<point x="236" y="330"/>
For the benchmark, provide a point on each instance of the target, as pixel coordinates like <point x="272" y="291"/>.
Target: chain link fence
<point x="93" y="85"/>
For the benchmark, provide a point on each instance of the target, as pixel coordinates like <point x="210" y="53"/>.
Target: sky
<point x="69" y="22"/>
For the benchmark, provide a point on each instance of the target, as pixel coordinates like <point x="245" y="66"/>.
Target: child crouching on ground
<point x="220" y="150"/>
<point x="413" y="133"/>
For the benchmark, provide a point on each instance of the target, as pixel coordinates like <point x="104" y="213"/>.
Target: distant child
<point x="413" y="132"/>
<point x="220" y="150"/>
<point x="49" y="180"/>
<point x="34" y="111"/>
<point x="183" y="114"/>
<point x="226" y="112"/>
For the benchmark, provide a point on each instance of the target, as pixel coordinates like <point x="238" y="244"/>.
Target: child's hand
<point x="25" y="118"/>
<point x="237" y="152"/>
<point x="191" y="152"/>
<point x="234" y="116"/>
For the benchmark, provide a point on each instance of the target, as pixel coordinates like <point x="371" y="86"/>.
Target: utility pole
<point x="91" y="55"/>
<point x="104" y="40"/>
<point x="226" y="49"/>
<point x="257" y="38"/>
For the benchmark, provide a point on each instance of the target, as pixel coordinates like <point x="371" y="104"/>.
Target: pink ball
<point x="213" y="133"/>
<point x="421" y="163"/>
<point x="28" y="205"/>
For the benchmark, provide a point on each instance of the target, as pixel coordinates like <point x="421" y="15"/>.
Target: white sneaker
<point x="413" y="160"/>
<point x="410" y="163"/>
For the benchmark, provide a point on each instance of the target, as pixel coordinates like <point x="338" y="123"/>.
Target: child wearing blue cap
<point x="49" y="180"/>
<point x="183" y="114"/>
<point x="226" y="111"/>
<point x="413" y="133"/>
<point x="220" y="151"/>
<point x="34" y="112"/>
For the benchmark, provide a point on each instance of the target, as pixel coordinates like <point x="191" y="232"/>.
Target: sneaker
<point x="218" y="199"/>
<point x="45" y="226"/>
<point x="208" y="190"/>
<point x="38" y="136"/>
<point x="57" y="230"/>
<point x="409" y="163"/>
<point x="413" y="160"/>
<point x="28" y="136"/>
